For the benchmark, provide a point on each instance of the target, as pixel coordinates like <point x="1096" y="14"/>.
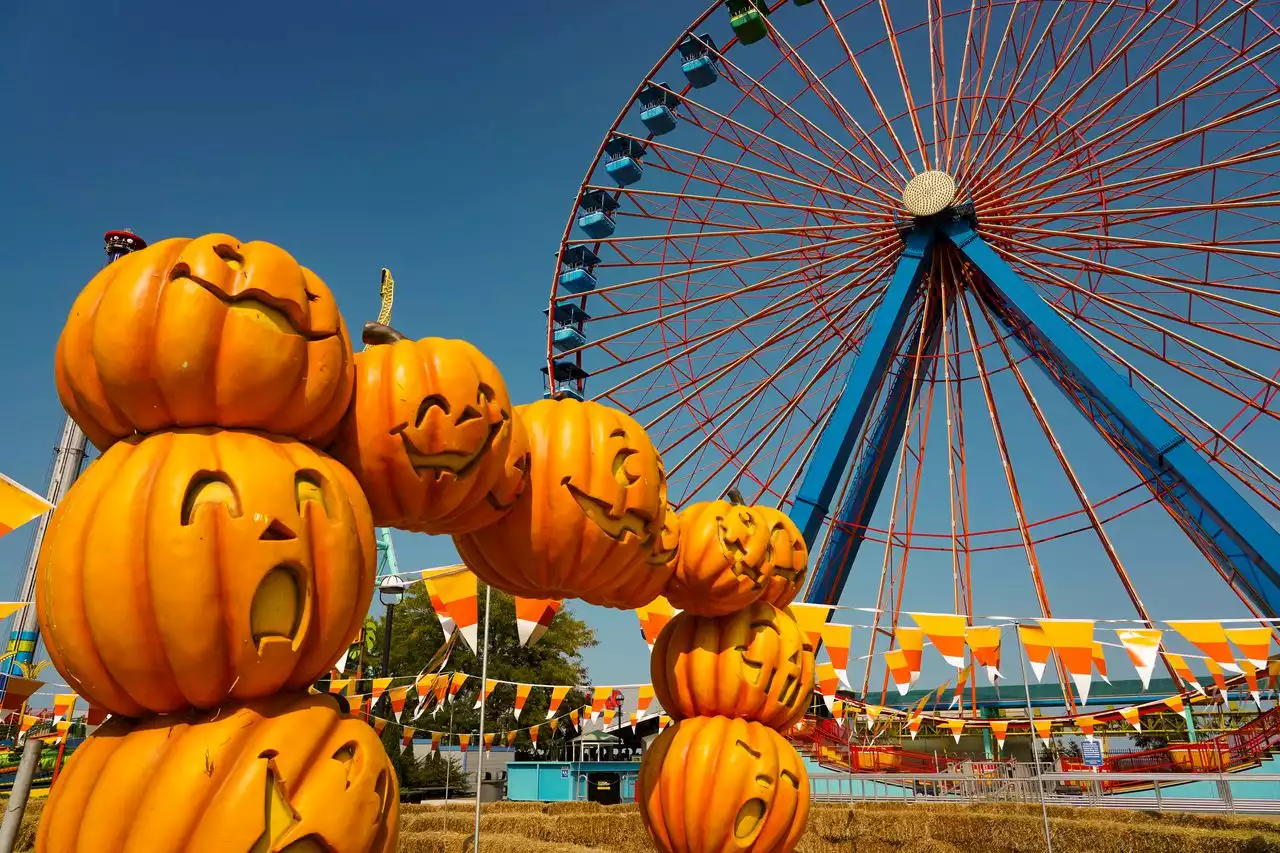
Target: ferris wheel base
<point x="1226" y="528"/>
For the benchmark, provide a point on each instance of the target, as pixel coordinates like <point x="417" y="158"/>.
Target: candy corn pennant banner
<point x="1183" y="671"/>
<point x="397" y="697"/>
<point x="599" y="696"/>
<point x="1085" y="724"/>
<point x="956" y="726"/>
<point x="1036" y="646"/>
<point x="406" y="737"/>
<point x="1100" y="661"/>
<point x="1209" y="637"/>
<point x="899" y="671"/>
<point x="379" y="686"/>
<point x="1072" y="641"/>
<point x="522" y="696"/>
<point x="455" y="684"/>
<point x="18" y="505"/>
<point x="488" y="740"/>
<point x="1143" y="647"/>
<point x="957" y="698"/>
<point x="911" y="640"/>
<point x="1251" y="679"/>
<point x="435" y="741"/>
<point x="873" y="713"/>
<point x="512" y="735"/>
<point x="837" y="639"/>
<point x="1219" y="681"/>
<point x="557" y="699"/>
<point x="653" y="617"/>
<point x="946" y="632"/>
<point x="340" y="665"/>
<point x="1175" y="704"/>
<point x="533" y="617"/>
<point x="486" y="693"/>
<point x="811" y="618"/>
<point x="1132" y="717"/>
<point x="437" y="601"/>
<point x="63" y="706"/>
<point x="533" y="735"/>
<point x="984" y="644"/>
<point x="1044" y="729"/>
<point x="644" y="700"/>
<point x="1254" y="644"/>
<point x="999" y="730"/>
<point x="824" y="675"/>
<point x="457" y="591"/>
<point x="913" y="725"/>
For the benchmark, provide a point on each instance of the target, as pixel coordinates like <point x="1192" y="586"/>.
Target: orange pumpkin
<point x="193" y="567"/>
<point x="587" y="524"/>
<point x="289" y="774"/>
<point x="788" y="555"/>
<point x="724" y="562"/>
<point x="429" y="434"/>
<point x="205" y="332"/>
<point x="717" y="784"/>
<point x="754" y="664"/>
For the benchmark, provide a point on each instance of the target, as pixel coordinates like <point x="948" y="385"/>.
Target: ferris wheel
<point x="971" y="288"/>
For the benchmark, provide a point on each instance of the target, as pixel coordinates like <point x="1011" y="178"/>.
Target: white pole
<point x="1035" y="758"/>
<point x="484" y="678"/>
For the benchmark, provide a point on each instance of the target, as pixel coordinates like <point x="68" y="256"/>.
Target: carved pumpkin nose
<point x="277" y="532"/>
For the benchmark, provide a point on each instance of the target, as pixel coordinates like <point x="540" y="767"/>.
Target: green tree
<point x="416" y="636"/>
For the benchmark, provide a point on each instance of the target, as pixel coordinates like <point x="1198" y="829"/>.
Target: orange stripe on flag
<point x="946" y="632"/>
<point x="1209" y="637"/>
<point x="557" y="699"/>
<point x="1072" y="641"/>
<point x="956" y="726"/>
<point x="457" y="591"/>
<point x="522" y="695"/>
<point x="646" y="697"/>
<point x="1253" y="643"/>
<point x="837" y="639"/>
<point x="533" y="617"/>
<point x="984" y="642"/>
<point x="999" y="730"/>
<point x="896" y="660"/>
<point x="811" y="618"/>
<point x="1143" y="647"/>
<point x="1036" y="645"/>
<point x="1132" y="716"/>
<point x="911" y="640"/>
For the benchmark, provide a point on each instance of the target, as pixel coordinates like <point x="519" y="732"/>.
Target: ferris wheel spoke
<point x="963" y="172"/>
<point x="966" y="49"/>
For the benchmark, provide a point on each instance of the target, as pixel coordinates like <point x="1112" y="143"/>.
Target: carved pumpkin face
<point x="429" y="432"/>
<point x="723" y="564"/>
<point x="192" y="567"/>
<point x="290" y="774"/>
<point x="586" y="525"/>
<point x="201" y="332"/>
<point x="745" y="782"/>
<point x="787" y="553"/>
<point x="751" y="664"/>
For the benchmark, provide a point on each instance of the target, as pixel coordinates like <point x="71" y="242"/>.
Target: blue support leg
<point x="1223" y="524"/>
<point x="872" y="468"/>
<point x="835" y="444"/>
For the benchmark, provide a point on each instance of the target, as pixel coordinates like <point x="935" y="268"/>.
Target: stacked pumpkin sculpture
<point x="212" y="564"/>
<point x="733" y="669"/>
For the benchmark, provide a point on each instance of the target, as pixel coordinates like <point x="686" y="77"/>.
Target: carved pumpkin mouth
<point x="456" y="462"/>
<point x="615" y="527"/>
<point x="255" y="304"/>
<point x="278" y="609"/>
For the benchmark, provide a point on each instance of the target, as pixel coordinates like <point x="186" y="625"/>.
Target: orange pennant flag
<point x="1209" y="637"/>
<point x="913" y="725"/>
<point x="574" y="716"/>
<point x="646" y="698"/>
<point x="557" y="699"/>
<point x="522" y="695"/>
<point x="825" y="677"/>
<point x="635" y="718"/>
<point x="1036" y="645"/>
<point x="1183" y="671"/>
<point x="1044" y="729"/>
<point x="999" y="730"/>
<point x="455" y="683"/>
<point x="1086" y="724"/>
<point x="406" y="740"/>
<point x="984" y="643"/>
<point x="26" y="721"/>
<point x="554" y="725"/>
<point x="956" y="726"/>
<point x="464" y="742"/>
<point x="946" y="632"/>
<point x="663" y="722"/>
<point x="609" y="715"/>
<point x="1100" y="661"/>
<point x="63" y="706"/>
<point x="379" y="724"/>
<point x="356" y="705"/>
<point x="511" y="738"/>
<point x="447" y="625"/>
<point x="1218" y="680"/>
<point x="957" y="698"/>
<point x="18" y="505"/>
<point x="837" y="710"/>
<point x="1175" y="704"/>
<point x="533" y="617"/>
<point x="1251" y="678"/>
<point x="1143" y="647"/>
<point x="599" y="696"/>
<point x="911" y="640"/>
<point x="533" y="735"/>
<point x="837" y="639"/>
<point x="457" y="590"/>
<point x="488" y="740"/>
<point x="811" y="618"/>
<point x="899" y="670"/>
<point x="435" y="741"/>
<point x="1254" y="643"/>
<point x="380" y="686"/>
<point x="424" y="685"/>
<point x="1072" y="641"/>
<point x="1132" y="717"/>
<point x="653" y="617"/>
<point x="397" y="696"/>
<point x="483" y="698"/>
<point x="338" y="686"/>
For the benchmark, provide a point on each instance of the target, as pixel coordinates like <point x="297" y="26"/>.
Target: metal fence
<point x="1230" y="793"/>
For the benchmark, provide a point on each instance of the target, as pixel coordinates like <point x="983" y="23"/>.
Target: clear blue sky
<point x="445" y="141"/>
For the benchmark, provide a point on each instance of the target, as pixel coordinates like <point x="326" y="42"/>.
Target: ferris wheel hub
<point x="929" y="193"/>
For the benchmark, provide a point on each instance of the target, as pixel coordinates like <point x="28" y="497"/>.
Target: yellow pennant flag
<point x="609" y="715"/>
<point x="899" y="670"/>
<point x="1183" y="671"/>
<point x="1209" y="637"/>
<point x="406" y="739"/>
<point x="599" y="696"/>
<point x="522" y="696"/>
<point x="663" y="722"/>
<point x="437" y="602"/>
<point x="653" y="617"/>
<point x="435" y="741"/>
<point x="1132" y="717"/>
<point x="1143" y="647"/>
<point x="999" y="730"/>
<point x="1100" y="661"/>
<point x="1254" y="643"/>
<point x="1044" y="729"/>
<point x="1175" y="704"/>
<point x="397" y="696"/>
<point x="511" y="737"/>
<point x="489" y="684"/>
<point x="380" y="686"/>
<point x="533" y="735"/>
<point x="984" y="643"/>
<point x="557" y="699"/>
<point x="811" y="618"/>
<point x="533" y="617"/>
<point x="873" y="713"/>
<point x="457" y="591"/>
<point x="18" y="505"/>
<point x="913" y="725"/>
<point x="338" y="686"/>
<point x="956" y="726"/>
<point x="464" y="742"/>
<point x="379" y="724"/>
<point x="488" y="741"/>
<point x="946" y="632"/>
<point x="1218" y="680"/>
<point x="1036" y="645"/>
<point x="64" y="705"/>
<point x="825" y="678"/>
<point x="837" y="639"/>
<point x="1072" y="641"/>
<point x="1086" y="724"/>
<point x="455" y="683"/>
<point x="646" y="698"/>
<point x="1251" y="678"/>
<point x="911" y="640"/>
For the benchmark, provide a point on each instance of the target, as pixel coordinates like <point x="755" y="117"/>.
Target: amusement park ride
<point x="852" y="221"/>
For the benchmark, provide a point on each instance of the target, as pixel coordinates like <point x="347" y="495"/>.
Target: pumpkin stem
<point x="376" y="333"/>
<point x="734" y="496"/>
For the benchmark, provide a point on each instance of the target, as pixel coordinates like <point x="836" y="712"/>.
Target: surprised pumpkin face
<point x="193" y="567"/>
<point x="429" y="434"/>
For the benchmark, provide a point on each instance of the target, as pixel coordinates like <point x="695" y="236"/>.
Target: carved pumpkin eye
<point x="468" y="414"/>
<point x="229" y="256"/>
<point x="432" y="401"/>
<point x="206" y="488"/>
<point x="309" y="486"/>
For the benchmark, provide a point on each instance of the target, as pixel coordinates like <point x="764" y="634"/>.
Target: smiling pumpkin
<point x="724" y="560"/>
<point x="586" y="525"/>
<point x="205" y="332"/>
<point x="430" y="434"/>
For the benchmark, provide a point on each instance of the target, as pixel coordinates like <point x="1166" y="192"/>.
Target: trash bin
<point x="491" y="790"/>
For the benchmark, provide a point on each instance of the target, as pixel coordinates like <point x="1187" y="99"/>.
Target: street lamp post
<point x="390" y="593"/>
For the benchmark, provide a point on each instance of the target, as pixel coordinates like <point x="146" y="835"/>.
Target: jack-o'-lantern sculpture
<point x="788" y="555"/>
<point x="715" y="784"/>
<point x="290" y="774"/>
<point x="587" y="523"/>
<point x="193" y="567"/>
<point x="430" y="434"/>
<point x="201" y="332"/>
<point x="752" y="664"/>
<point x="725" y="561"/>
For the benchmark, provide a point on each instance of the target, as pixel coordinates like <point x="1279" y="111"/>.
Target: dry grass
<point x="866" y="828"/>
